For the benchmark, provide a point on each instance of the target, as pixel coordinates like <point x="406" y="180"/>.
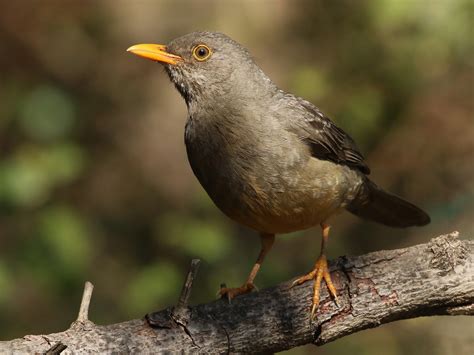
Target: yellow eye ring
<point x="202" y="52"/>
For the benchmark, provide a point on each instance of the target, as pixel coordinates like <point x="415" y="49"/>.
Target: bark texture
<point x="436" y="278"/>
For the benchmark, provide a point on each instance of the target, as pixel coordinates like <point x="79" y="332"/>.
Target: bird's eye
<point x="202" y="52"/>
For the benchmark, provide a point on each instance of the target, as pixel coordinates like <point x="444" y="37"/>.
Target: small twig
<point x="56" y="349"/>
<point x="188" y="284"/>
<point x="179" y="314"/>
<point x="83" y="315"/>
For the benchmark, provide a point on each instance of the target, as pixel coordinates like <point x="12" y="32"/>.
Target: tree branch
<point x="436" y="278"/>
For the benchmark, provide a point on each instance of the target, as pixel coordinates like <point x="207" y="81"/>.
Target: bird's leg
<point x="267" y="242"/>
<point x="319" y="272"/>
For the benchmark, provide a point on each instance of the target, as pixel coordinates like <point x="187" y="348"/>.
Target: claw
<point x="303" y="279"/>
<point x="230" y="293"/>
<point x="319" y="273"/>
<point x="313" y="311"/>
<point x="219" y="292"/>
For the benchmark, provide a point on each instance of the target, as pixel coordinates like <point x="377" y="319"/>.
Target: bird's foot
<point x="319" y="273"/>
<point x="230" y="293"/>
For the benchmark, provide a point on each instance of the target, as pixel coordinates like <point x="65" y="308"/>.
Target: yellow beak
<point x="156" y="52"/>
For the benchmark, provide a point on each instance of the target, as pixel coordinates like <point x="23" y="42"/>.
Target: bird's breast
<point x="228" y="161"/>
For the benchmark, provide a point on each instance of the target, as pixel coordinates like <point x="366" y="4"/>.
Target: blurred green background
<point x="94" y="180"/>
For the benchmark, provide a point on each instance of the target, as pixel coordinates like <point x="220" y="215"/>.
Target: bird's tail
<point x="379" y="206"/>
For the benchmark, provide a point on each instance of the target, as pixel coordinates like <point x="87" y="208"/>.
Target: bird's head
<point x="207" y="64"/>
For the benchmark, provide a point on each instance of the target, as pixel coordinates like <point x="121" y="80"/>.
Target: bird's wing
<point x="326" y="140"/>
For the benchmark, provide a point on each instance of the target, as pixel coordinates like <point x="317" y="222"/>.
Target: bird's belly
<point x="269" y="197"/>
<point x="302" y="201"/>
<point x="289" y="212"/>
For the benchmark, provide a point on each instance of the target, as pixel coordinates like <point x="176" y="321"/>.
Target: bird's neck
<point x="233" y="96"/>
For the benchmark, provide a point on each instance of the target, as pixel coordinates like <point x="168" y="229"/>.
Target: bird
<point x="268" y="159"/>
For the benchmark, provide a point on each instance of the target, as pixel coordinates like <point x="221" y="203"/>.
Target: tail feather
<point x="376" y="205"/>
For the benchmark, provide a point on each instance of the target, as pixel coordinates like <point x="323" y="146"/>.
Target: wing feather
<point x="327" y="141"/>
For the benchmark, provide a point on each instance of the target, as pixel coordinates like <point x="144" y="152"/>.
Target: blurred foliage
<point x="46" y="113"/>
<point x="195" y="237"/>
<point x="28" y="177"/>
<point x="160" y="280"/>
<point x="94" y="182"/>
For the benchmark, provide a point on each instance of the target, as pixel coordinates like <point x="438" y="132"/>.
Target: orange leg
<point x="319" y="273"/>
<point x="267" y="243"/>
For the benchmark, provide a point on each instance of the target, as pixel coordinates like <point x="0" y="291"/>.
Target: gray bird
<point x="268" y="159"/>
